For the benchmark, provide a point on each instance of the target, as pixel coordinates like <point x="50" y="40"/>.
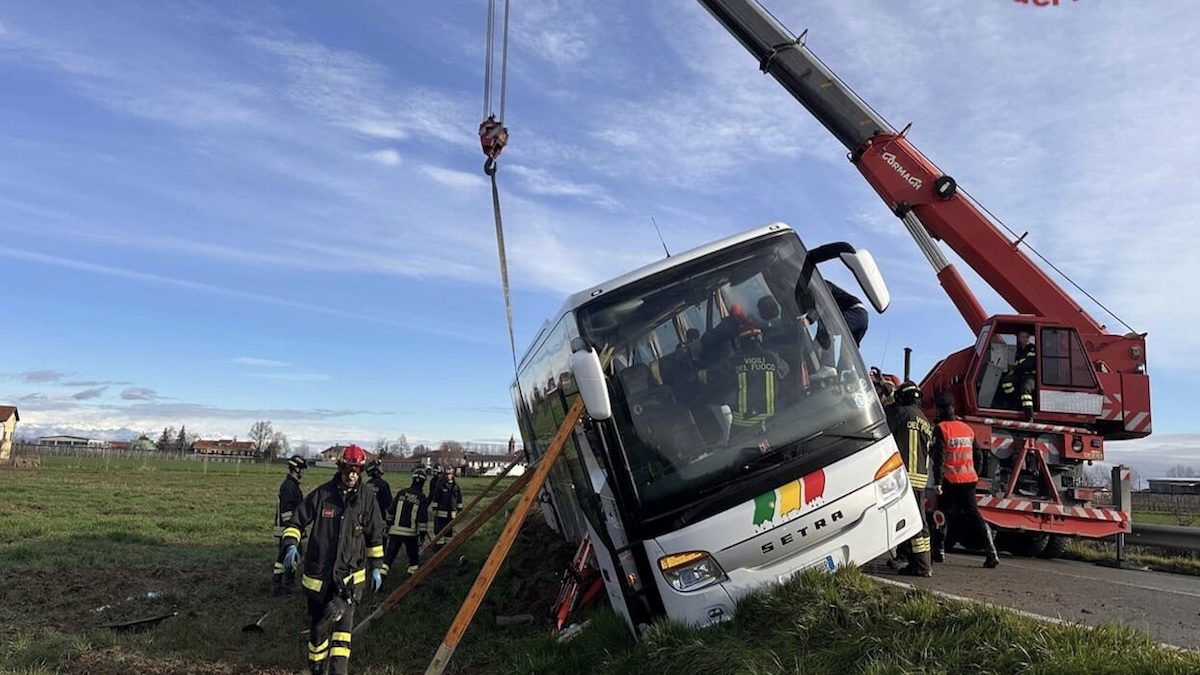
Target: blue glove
<point x="376" y="579"/>
<point x="289" y="557"/>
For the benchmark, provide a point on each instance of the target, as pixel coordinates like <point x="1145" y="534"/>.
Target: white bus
<point x="732" y="438"/>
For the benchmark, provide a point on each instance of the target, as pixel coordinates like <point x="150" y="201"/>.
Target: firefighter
<point x="446" y="503"/>
<point x="408" y="523"/>
<point x="1021" y="375"/>
<point x="753" y="375"/>
<point x="383" y="491"/>
<point x="952" y="458"/>
<point x="283" y="580"/>
<point x="345" y="549"/>
<point x="853" y="312"/>
<point x="913" y="433"/>
<point x="436" y="481"/>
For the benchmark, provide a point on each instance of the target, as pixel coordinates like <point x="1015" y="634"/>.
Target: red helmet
<point x="353" y="456"/>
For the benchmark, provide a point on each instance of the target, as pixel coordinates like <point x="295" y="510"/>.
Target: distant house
<point x="118" y="445"/>
<point x="225" y="447"/>
<point x="401" y="465"/>
<point x="71" y="442"/>
<point x="1189" y="485"/>
<point x="8" y="428"/>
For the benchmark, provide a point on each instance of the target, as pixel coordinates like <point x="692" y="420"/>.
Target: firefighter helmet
<point x="352" y="456"/>
<point x="375" y="467"/>
<point x="909" y="392"/>
<point x="297" y="462"/>
<point x="418" y="472"/>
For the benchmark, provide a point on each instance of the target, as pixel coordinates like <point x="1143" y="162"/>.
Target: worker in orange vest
<point x="952" y="459"/>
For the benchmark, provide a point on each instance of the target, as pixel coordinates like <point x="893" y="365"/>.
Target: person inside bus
<point x="752" y="380"/>
<point x="664" y="426"/>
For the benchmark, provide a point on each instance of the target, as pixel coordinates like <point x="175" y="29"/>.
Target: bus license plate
<point x="825" y="564"/>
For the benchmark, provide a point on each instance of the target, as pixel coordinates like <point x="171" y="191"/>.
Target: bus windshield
<point x="723" y="367"/>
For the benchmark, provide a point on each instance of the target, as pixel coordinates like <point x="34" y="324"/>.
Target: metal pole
<point x="1122" y="490"/>
<point x="907" y="364"/>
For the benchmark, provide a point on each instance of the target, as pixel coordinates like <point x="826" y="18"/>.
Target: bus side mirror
<point x="866" y="272"/>
<point x="589" y="377"/>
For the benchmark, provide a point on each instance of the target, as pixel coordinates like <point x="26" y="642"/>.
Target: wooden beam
<point x="504" y="544"/>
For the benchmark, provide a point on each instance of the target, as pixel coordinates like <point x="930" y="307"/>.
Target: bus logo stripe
<point x="787" y="499"/>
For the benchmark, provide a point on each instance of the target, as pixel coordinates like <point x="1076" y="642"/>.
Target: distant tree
<point x="303" y="450"/>
<point x="420" y="449"/>
<point x="381" y="448"/>
<point x="261" y="434"/>
<point x="451" y="446"/>
<point x="278" y="446"/>
<point x="402" y="448"/>
<point x="166" y="441"/>
<point x="1182" y="471"/>
<point x="182" y="442"/>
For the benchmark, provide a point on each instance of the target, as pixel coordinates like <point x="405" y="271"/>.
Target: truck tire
<point x="1025" y="544"/>
<point x="1055" y="547"/>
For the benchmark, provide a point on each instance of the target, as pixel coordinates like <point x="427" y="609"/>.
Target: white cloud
<point x="455" y="178"/>
<point x="386" y="157"/>
<point x="292" y="377"/>
<point x="261" y="363"/>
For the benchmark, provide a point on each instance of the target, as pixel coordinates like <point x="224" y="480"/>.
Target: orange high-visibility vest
<point x="958" y="442"/>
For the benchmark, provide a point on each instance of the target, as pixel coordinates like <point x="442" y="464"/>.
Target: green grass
<point x="80" y="534"/>
<point x="1105" y="552"/>
<point x="1182" y="519"/>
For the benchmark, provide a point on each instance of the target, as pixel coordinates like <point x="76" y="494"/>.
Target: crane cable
<point x="493" y="136"/>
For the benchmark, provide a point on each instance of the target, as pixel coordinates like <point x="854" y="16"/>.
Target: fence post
<point x="1122" y="490"/>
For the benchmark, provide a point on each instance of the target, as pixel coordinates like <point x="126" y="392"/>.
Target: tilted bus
<point x="697" y="480"/>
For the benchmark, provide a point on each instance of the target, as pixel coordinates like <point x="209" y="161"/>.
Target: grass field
<point x="82" y="534"/>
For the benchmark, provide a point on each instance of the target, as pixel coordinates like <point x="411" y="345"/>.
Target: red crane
<point x="1091" y="385"/>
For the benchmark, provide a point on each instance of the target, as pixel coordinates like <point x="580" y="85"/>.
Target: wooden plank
<point x="445" y="552"/>
<point x="504" y="544"/>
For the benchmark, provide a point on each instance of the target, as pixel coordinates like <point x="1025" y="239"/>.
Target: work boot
<point x="1028" y="414"/>
<point x="993" y="558"/>
<point x="317" y="667"/>
<point x="938" y="556"/>
<point x="991" y="562"/>
<point x="412" y="569"/>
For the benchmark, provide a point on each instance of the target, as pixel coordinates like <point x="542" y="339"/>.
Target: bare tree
<point x="1182" y="471"/>
<point x="303" y="450"/>
<point x="279" y="446"/>
<point x="381" y="448"/>
<point x="261" y="435"/>
<point x="401" y="445"/>
<point x="1097" y="476"/>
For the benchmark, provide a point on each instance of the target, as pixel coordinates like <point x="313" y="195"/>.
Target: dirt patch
<point x="535" y="568"/>
<point x="117" y="660"/>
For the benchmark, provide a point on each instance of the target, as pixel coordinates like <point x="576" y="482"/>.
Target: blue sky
<point x="219" y="212"/>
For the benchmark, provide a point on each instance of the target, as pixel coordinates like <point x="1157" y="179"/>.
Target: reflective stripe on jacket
<point x="411" y="511"/>
<point x="913" y="433"/>
<point x="957" y="444"/>
<point x="347" y="535"/>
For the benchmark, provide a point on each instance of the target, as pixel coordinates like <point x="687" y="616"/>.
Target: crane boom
<point x="903" y="177"/>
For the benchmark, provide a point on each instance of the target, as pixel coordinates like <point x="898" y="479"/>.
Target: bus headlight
<point x="690" y="570"/>
<point x="891" y="481"/>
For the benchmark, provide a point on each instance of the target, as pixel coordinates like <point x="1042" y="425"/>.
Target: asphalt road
<point x="1166" y="606"/>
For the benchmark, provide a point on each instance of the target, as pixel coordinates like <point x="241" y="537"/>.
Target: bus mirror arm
<point x="589" y="376"/>
<point x="861" y="264"/>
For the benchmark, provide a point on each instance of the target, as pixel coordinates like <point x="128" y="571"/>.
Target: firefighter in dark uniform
<point x="283" y="580"/>
<point x="755" y="376"/>
<point x="436" y="481"/>
<point x="383" y="491"/>
<point x="853" y="312"/>
<point x="345" y="549"/>
<point x="408" y="522"/>
<point x="913" y="433"/>
<point x="446" y="503"/>
<point x="1022" y="376"/>
<point x="952" y="459"/>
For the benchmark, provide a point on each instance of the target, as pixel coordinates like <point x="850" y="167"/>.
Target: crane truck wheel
<point x="1056" y="547"/>
<point x="1024" y="544"/>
